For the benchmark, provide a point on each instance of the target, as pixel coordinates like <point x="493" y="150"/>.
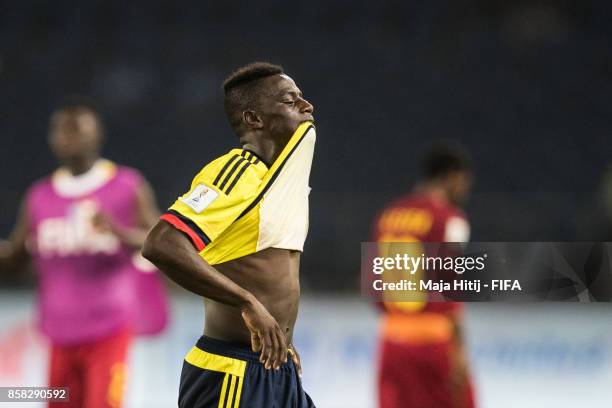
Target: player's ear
<point x="252" y="120"/>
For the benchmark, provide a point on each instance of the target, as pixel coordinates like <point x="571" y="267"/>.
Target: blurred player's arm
<point x="13" y="252"/>
<point x="147" y="212"/>
<point x="173" y="253"/>
<point x="457" y="229"/>
<point x="459" y="358"/>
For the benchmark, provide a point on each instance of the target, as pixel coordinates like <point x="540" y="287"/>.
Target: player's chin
<point x="66" y="158"/>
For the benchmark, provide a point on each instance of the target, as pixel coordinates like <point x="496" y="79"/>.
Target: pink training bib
<point x="89" y="284"/>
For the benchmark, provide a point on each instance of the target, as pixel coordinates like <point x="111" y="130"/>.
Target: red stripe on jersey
<point x="180" y="225"/>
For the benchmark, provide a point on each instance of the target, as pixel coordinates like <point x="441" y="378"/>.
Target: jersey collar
<point x="67" y="185"/>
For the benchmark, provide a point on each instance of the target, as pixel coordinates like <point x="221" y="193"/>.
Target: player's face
<point x="283" y="107"/>
<point x="461" y="185"/>
<point x="74" y="137"/>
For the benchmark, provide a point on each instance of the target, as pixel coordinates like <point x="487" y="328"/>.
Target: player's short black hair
<point x="444" y="157"/>
<point x="77" y="104"/>
<point x="242" y="89"/>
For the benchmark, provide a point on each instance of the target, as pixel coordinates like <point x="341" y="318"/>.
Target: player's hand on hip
<point x="266" y="335"/>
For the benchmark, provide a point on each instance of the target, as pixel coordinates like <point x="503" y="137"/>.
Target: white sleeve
<point x="456" y="229"/>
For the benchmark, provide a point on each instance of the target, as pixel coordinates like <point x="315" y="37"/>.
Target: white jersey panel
<point x="283" y="210"/>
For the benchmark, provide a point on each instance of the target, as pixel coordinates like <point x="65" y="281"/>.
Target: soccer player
<point x="235" y="238"/>
<point x="423" y="362"/>
<point x="82" y="227"/>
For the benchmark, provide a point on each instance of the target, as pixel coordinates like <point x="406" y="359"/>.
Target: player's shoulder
<point x="236" y="170"/>
<point x="456" y="212"/>
<point x="394" y="207"/>
<point x="455" y="224"/>
<point x="449" y="211"/>
<point x="440" y="208"/>
<point x="127" y="171"/>
<point x="39" y="186"/>
<point x="213" y="166"/>
<point x="126" y="175"/>
<point x="409" y="201"/>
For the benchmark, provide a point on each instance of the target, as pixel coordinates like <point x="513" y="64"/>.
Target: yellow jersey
<point x="237" y="205"/>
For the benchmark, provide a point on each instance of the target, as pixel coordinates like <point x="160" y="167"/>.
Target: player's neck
<point x="266" y="144"/>
<point x="81" y="166"/>
<point x="436" y="191"/>
<point x="267" y="150"/>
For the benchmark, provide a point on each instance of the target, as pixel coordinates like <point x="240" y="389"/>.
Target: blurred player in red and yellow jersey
<point x="423" y="363"/>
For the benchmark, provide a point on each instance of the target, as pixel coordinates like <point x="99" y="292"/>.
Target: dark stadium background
<point x="525" y="85"/>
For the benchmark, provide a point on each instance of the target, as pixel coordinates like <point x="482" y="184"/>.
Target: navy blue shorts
<point x="219" y="374"/>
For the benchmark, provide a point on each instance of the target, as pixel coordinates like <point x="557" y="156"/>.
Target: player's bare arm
<point x="459" y="358"/>
<point x="147" y="212"/>
<point x="174" y="254"/>
<point x="13" y="252"/>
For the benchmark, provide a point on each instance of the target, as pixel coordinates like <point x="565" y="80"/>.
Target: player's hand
<point x="266" y="335"/>
<point x="295" y="356"/>
<point x="103" y="223"/>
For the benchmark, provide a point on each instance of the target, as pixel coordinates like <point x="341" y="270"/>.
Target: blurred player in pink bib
<point x="83" y="227"/>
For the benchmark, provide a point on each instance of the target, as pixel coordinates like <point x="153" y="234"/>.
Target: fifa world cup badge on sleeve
<point x="200" y="198"/>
